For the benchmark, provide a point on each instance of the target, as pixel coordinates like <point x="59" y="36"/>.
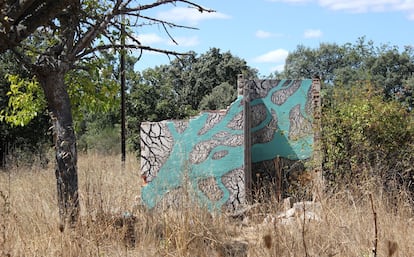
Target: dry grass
<point x="29" y="221"/>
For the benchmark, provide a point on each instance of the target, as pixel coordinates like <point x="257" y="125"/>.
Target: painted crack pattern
<point x="205" y="154"/>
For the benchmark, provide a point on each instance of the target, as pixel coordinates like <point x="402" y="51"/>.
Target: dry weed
<point x="111" y="223"/>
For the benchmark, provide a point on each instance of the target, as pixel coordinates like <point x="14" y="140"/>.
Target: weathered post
<point x="244" y="89"/>
<point x="317" y="151"/>
<point x="122" y="63"/>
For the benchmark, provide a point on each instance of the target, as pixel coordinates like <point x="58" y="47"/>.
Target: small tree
<point x="220" y="97"/>
<point x="69" y="41"/>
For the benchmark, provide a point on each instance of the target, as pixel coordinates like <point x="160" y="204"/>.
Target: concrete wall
<point x="201" y="157"/>
<point x="282" y="131"/>
<point x="213" y="159"/>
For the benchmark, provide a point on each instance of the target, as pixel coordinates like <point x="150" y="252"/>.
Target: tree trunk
<point x="60" y="112"/>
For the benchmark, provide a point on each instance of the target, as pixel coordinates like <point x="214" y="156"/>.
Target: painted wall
<point x="281" y="119"/>
<point x="203" y="159"/>
<point x="282" y="132"/>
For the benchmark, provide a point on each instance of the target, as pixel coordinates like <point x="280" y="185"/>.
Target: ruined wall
<point x="282" y="132"/>
<point x="215" y="158"/>
<point x="200" y="159"/>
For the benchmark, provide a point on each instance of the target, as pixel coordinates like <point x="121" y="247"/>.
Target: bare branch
<point x="170" y="24"/>
<point x="94" y="31"/>
<point x="162" y="2"/>
<point x="21" y="19"/>
<point x="129" y="46"/>
<point x="83" y="46"/>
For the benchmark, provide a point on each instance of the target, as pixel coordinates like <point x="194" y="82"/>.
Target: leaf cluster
<point x="26" y="100"/>
<point x="17" y="142"/>
<point x="93" y="90"/>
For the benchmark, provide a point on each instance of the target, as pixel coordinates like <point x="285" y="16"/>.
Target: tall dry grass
<point x="112" y="224"/>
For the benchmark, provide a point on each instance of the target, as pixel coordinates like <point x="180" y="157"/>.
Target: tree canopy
<point x="367" y="119"/>
<point x="387" y="67"/>
<point x="183" y="88"/>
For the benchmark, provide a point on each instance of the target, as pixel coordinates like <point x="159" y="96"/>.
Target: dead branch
<point x="82" y="48"/>
<point x="374" y="250"/>
<point x="305" y="247"/>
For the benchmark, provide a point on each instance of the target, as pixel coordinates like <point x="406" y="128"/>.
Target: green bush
<point x="103" y="141"/>
<point x="365" y="136"/>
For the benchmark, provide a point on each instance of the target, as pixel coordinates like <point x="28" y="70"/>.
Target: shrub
<point x="104" y="141"/>
<point x="366" y="136"/>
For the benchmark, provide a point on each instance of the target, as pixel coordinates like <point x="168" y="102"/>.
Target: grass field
<point x="344" y="227"/>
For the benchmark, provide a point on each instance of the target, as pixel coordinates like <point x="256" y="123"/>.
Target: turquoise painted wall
<point x="205" y="154"/>
<point x="282" y="144"/>
<point x="211" y="145"/>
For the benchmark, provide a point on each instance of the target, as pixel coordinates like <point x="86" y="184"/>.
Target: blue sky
<point x="262" y="32"/>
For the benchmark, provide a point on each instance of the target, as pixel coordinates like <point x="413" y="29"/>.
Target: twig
<point x="374" y="250"/>
<point x="303" y="231"/>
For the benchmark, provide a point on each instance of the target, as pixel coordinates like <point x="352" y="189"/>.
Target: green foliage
<point x="103" y="140"/>
<point x="151" y="98"/>
<point x="406" y="93"/>
<point x="97" y="103"/>
<point x="368" y="99"/>
<point x="93" y="89"/>
<point x="365" y="135"/>
<point x="385" y="66"/>
<point x="194" y="77"/>
<point x="306" y="62"/>
<point x="94" y="93"/>
<point x="18" y="143"/>
<point x="219" y="98"/>
<point x="26" y="101"/>
<point x="182" y="88"/>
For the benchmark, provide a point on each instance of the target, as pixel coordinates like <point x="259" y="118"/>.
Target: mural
<point x="203" y="159"/>
<point x="203" y="155"/>
<point x="282" y="132"/>
<point x="281" y="119"/>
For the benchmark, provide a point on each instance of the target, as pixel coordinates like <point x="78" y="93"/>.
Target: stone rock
<point x="300" y="210"/>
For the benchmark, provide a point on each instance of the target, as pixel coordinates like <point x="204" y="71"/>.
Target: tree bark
<point x="53" y="84"/>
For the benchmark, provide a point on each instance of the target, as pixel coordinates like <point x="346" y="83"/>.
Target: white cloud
<point x="292" y="1"/>
<point x="312" y="33"/>
<point x="189" y="16"/>
<point x="266" y="34"/>
<point x="185" y="41"/>
<point x="263" y="34"/>
<point x="149" y="39"/>
<point x="152" y="38"/>
<point x="275" y="56"/>
<point x="361" y="6"/>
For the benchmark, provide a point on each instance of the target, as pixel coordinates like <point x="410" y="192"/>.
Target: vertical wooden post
<point x="318" y="184"/>
<point x="122" y="63"/>
<point x="278" y="177"/>
<point x="244" y="89"/>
